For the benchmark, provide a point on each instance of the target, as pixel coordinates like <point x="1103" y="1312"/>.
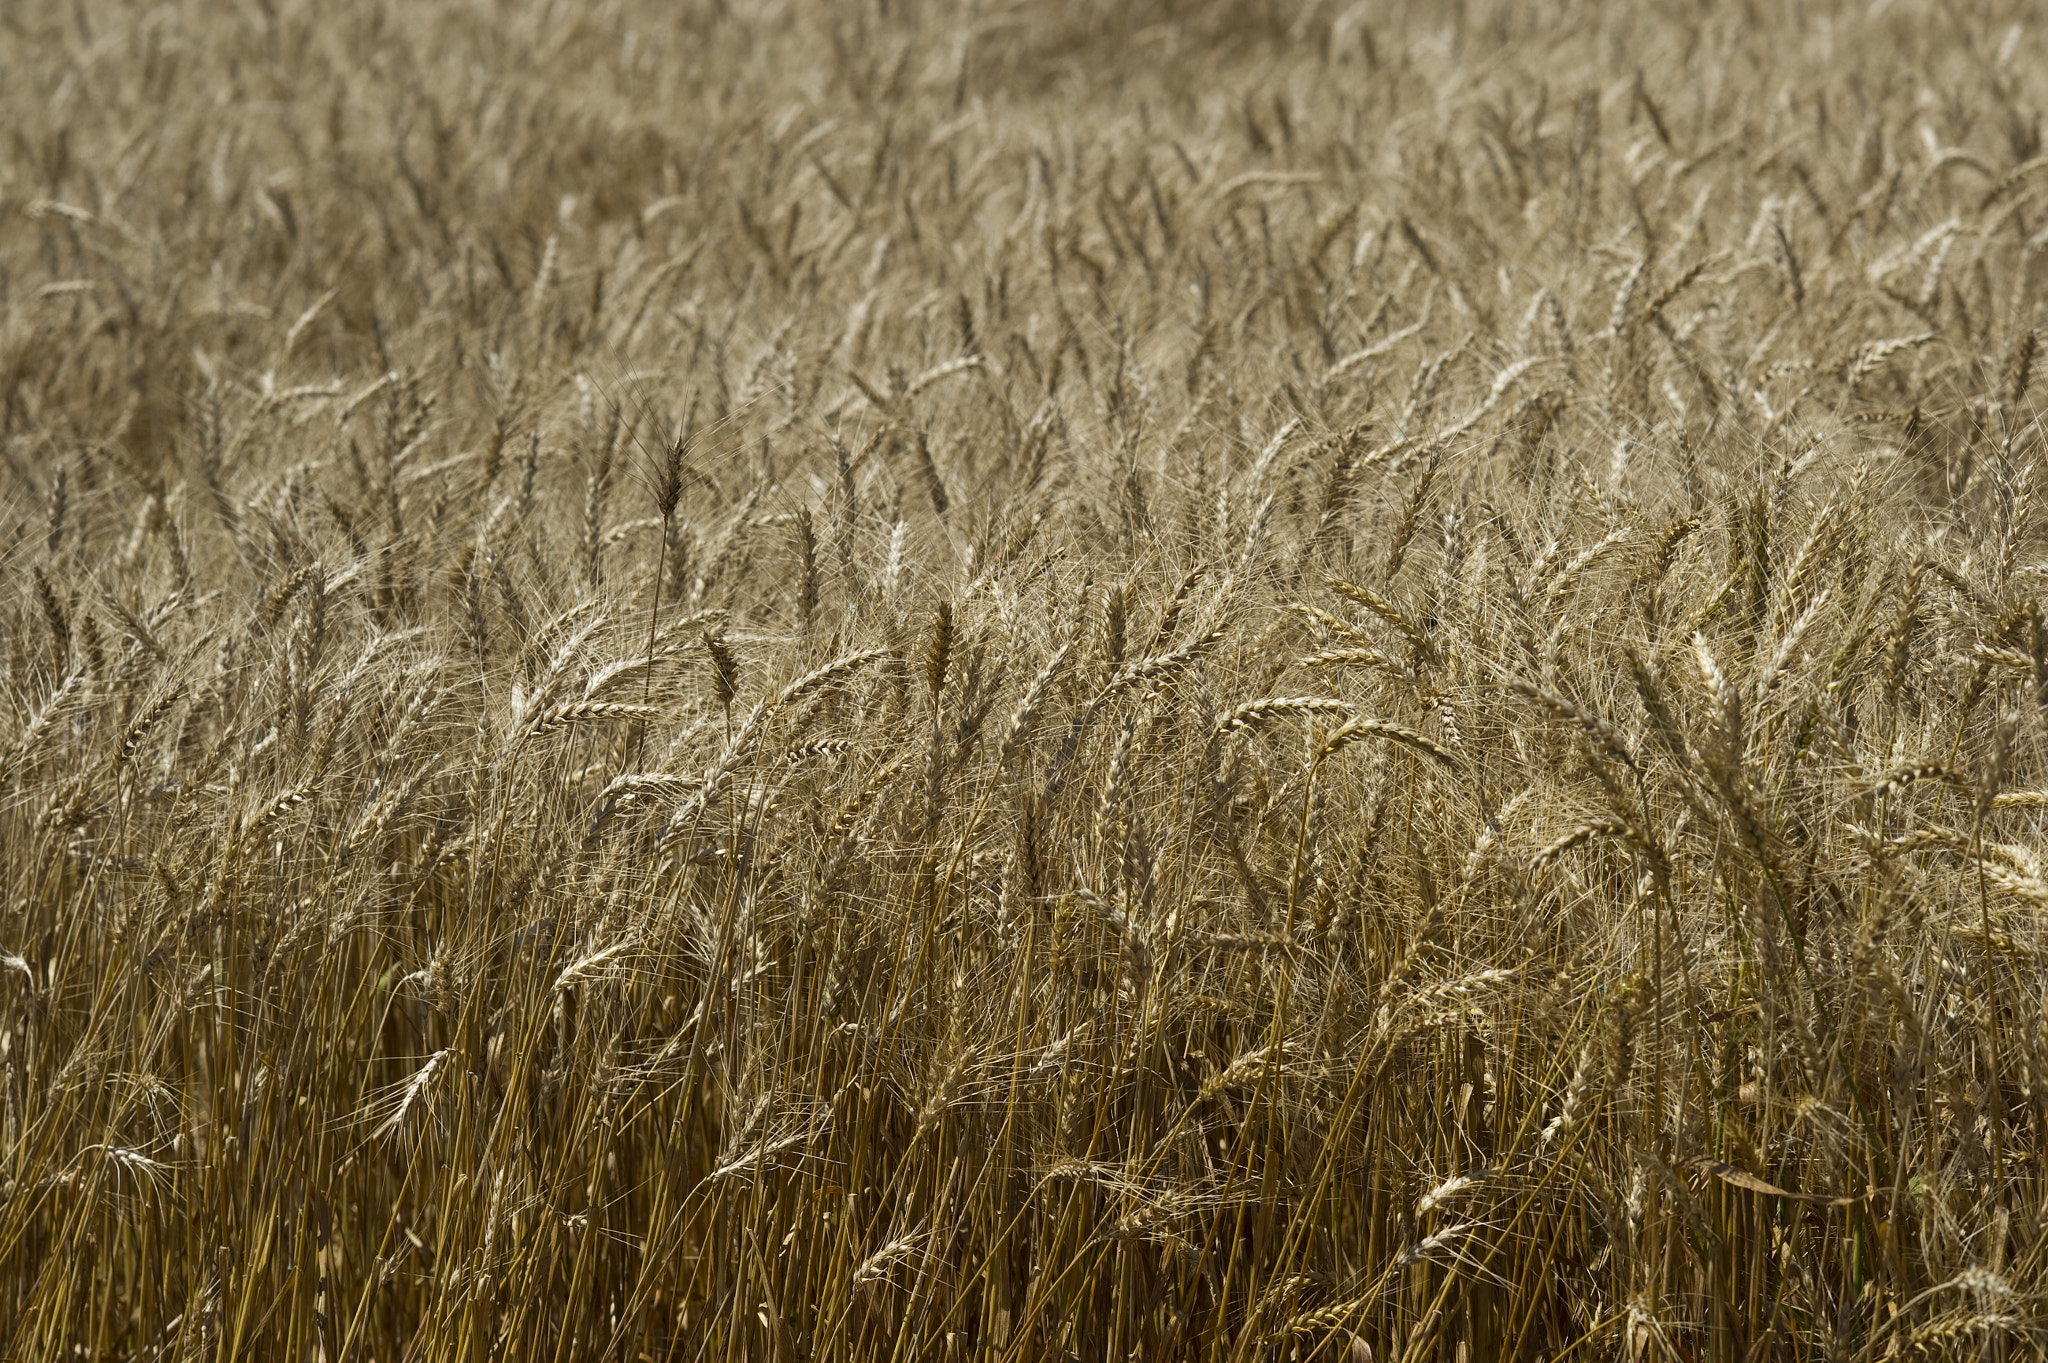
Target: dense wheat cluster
<point x="911" y="681"/>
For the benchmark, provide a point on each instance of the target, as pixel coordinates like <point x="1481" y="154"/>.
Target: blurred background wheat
<point x="1110" y="681"/>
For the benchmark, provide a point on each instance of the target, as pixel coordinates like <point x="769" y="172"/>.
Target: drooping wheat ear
<point x="876" y="1266"/>
<point x="1590" y="721"/>
<point x="1664" y="726"/>
<point x="1930" y="1338"/>
<point x="1455" y="1186"/>
<point x="1256" y="712"/>
<point x="67" y="806"/>
<point x="393" y="805"/>
<point x="669" y="639"/>
<point x="849" y="814"/>
<point x="1685" y="280"/>
<point x="153" y="1173"/>
<point x="1585" y="833"/>
<point x="823" y="747"/>
<point x="273" y="607"/>
<point x="589" y="712"/>
<point x="818" y="678"/>
<point x="277" y="809"/>
<point x="1574" y="569"/>
<point x="1357" y="729"/>
<point x="1503" y="383"/>
<point x="1255" y="535"/>
<point x="1326" y="1318"/>
<point x="1156" y="670"/>
<point x="635" y="784"/>
<point x="1869" y="358"/>
<point x="1661" y="563"/>
<point x="1917" y="772"/>
<point x="1386" y="610"/>
<point x="1362" y="657"/>
<point x="1430" y="1244"/>
<point x="739" y="1162"/>
<point x="611" y="674"/>
<point x="1329" y="627"/>
<point x="1912" y="843"/>
<point x="574" y="624"/>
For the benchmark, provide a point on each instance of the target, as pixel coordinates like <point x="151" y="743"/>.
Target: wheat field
<point x="1109" y="681"/>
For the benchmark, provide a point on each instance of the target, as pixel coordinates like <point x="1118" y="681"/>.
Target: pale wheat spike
<point x="1584" y="833"/>
<point x="610" y="674"/>
<point x="1918" y="772"/>
<point x="1570" y="1111"/>
<point x="821" y="677"/>
<point x="1256" y="712"/>
<point x="1034" y="697"/>
<point x="1389" y="612"/>
<point x="1781" y="658"/>
<point x="823" y="747"/>
<point x="1379" y="728"/>
<point x="714" y="779"/>
<point x="590" y="965"/>
<point x="647" y="783"/>
<point x="1430" y="1244"/>
<point x="1360" y="657"/>
<point x="877" y="1265"/>
<point x="590" y="712"/>
<point x="545" y="638"/>
<point x="1326" y="1318"/>
<point x="44" y="720"/>
<point x="1156" y="670"/>
<point x="1868" y="358"/>
<point x="1455" y="1186"/>
<point x="414" y="1088"/>
<point x="1595" y="725"/>
<point x="278" y="808"/>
